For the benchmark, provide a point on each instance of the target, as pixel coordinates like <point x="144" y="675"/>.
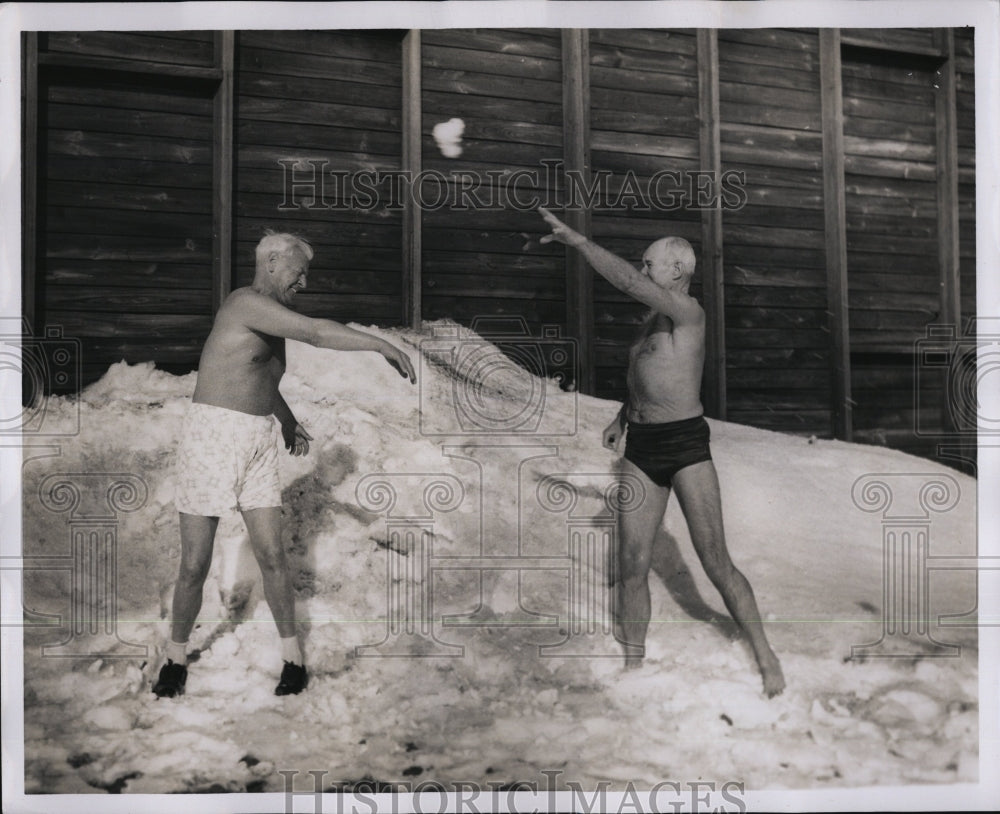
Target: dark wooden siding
<point x="777" y="342"/>
<point x="194" y="48"/>
<point x="892" y="233"/>
<point x="960" y="392"/>
<point x="481" y="261"/>
<point x="643" y="121"/>
<point x="332" y="98"/>
<point x="125" y="201"/>
<point x="909" y="41"/>
<point x="966" y="114"/>
<point x="126" y="214"/>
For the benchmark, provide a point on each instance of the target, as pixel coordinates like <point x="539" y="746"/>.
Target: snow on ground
<point x="501" y="710"/>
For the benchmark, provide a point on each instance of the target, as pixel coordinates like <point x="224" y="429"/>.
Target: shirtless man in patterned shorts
<point x="227" y="456"/>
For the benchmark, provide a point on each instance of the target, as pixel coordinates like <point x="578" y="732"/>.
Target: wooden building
<point x="825" y="177"/>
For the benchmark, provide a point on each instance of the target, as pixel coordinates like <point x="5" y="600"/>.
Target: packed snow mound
<point x="140" y="384"/>
<point x="449" y="544"/>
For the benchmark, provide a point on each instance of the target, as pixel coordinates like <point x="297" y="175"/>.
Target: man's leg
<point x="264" y="526"/>
<point x="697" y="488"/>
<point x="636" y="530"/>
<point x="669" y="565"/>
<point x="197" y="537"/>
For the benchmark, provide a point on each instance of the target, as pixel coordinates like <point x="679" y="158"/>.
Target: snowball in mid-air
<point x="448" y="136"/>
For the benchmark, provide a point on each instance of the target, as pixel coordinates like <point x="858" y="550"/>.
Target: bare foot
<point x="774" y="678"/>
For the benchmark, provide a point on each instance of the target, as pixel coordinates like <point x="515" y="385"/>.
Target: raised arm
<point x="260" y="313"/>
<point x="680" y="307"/>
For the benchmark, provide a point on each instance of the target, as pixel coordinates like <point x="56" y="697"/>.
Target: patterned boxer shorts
<point x="226" y="460"/>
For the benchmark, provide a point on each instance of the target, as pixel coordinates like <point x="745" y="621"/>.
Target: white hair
<point x="682" y="251"/>
<point x="679" y="248"/>
<point x="280" y="243"/>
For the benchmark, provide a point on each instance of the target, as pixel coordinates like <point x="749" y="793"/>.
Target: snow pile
<point x="397" y="504"/>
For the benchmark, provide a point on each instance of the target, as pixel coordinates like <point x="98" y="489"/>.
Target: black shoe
<point x="293" y="679"/>
<point x="172" y="679"/>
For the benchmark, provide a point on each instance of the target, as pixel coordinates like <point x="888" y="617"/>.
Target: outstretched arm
<point x="622" y="275"/>
<point x="263" y="314"/>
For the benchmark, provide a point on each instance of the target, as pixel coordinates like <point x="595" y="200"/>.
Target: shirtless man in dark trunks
<point x="227" y="453"/>
<point x="667" y="441"/>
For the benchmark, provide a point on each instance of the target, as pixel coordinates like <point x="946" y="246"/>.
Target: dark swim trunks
<point x="663" y="450"/>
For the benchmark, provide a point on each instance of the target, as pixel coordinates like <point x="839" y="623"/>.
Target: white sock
<point x="177" y="652"/>
<point x="290" y="650"/>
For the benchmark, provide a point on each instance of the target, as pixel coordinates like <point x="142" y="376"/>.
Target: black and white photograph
<point x="500" y="406"/>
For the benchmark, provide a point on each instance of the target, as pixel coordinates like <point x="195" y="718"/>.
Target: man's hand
<point x="613" y="435"/>
<point x="296" y="438"/>
<point x="560" y="231"/>
<point x="399" y="360"/>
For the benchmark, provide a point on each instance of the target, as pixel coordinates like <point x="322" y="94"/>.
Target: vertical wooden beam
<point x="29" y="178"/>
<point x="412" y="165"/>
<point x="222" y="170"/>
<point x="576" y="159"/>
<point x="947" y="181"/>
<point x="946" y="126"/>
<point x="831" y="100"/>
<point x="713" y="285"/>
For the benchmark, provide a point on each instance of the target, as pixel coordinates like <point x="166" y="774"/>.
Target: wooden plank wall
<point x="125" y="209"/>
<point x="775" y="279"/>
<point x="331" y="97"/>
<point x="892" y="228"/>
<point x="962" y="393"/>
<point x="193" y="48"/>
<point x="643" y="120"/>
<point x="481" y="261"/>
<point x="835" y="231"/>
<point x="965" y="75"/>
<point x="125" y="198"/>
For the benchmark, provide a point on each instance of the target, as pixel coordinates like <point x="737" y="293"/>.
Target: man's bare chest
<point x="265" y="350"/>
<point x="653" y="345"/>
<point x="655" y="339"/>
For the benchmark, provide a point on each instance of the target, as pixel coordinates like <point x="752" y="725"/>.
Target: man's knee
<point x="194" y="572"/>
<point x="633" y="567"/>
<point x="271" y="561"/>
